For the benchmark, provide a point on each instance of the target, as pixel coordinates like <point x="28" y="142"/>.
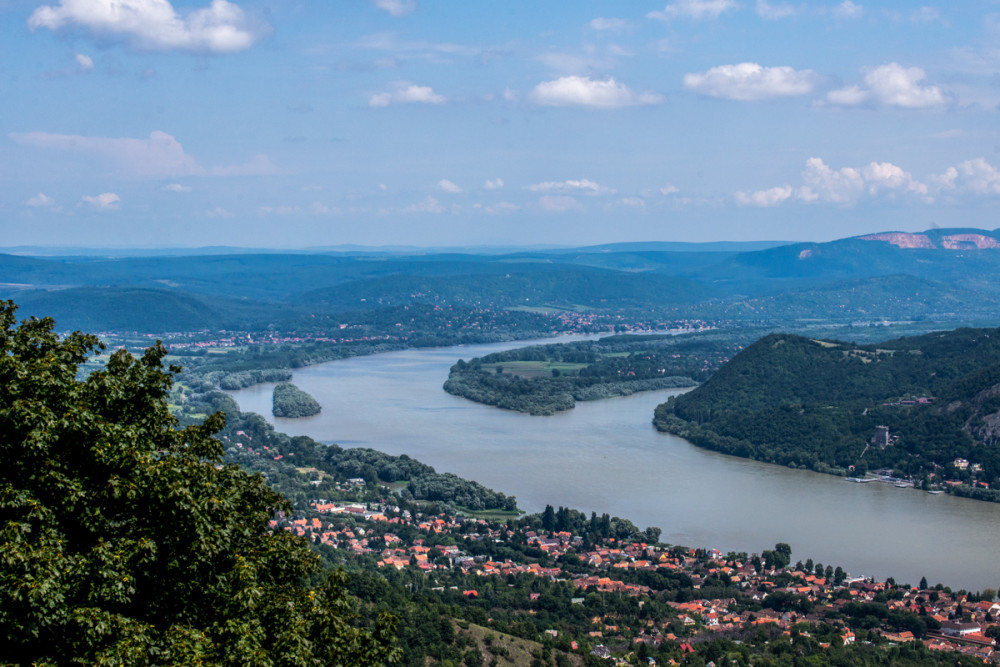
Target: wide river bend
<point x="605" y="456"/>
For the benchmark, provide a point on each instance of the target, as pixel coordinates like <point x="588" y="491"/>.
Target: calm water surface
<point x="605" y="456"/>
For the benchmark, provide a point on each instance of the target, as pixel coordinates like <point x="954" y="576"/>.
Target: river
<point x="605" y="456"/>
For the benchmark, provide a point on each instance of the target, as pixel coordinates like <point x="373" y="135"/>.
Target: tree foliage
<point x="290" y="401"/>
<point x="126" y="540"/>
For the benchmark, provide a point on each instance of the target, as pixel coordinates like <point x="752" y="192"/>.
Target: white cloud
<point x="896" y="85"/>
<point x="448" y="186"/>
<point x="632" y="202"/>
<point x="494" y="184"/>
<point x="396" y="7"/>
<point x="751" y="82"/>
<point x="669" y="190"/>
<point x="848" y="10"/>
<point x="159" y="156"/>
<point x="976" y="175"/>
<point x="104" y="201"/>
<point x="85" y="62"/>
<point x="765" y="198"/>
<point x="585" y="92"/>
<point x="887" y="176"/>
<point x="583" y="186"/>
<point x="559" y="204"/>
<point x="891" y="85"/>
<point x="614" y="25"/>
<point x="501" y="207"/>
<point x="847" y="185"/>
<point x="316" y="208"/>
<point x="925" y="15"/>
<point x="693" y="9"/>
<point x="406" y="93"/>
<point x="153" y="25"/>
<point x="848" y="97"/>
<point x="177" y="187"/>
<point x="843" y="186"/>
<point x="428" y="205"/>
<point x="218" y="212"/>
<point x="780" y="10"/>
<point x="41" y="200"/>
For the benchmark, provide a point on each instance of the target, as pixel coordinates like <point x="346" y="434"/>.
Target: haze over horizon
<point x="403" y="123"/>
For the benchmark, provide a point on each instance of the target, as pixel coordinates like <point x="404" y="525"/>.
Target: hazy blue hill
<point x="145" y="310"/>
<point x="890" y="297"/>
<point x="531" y="285"/>
<point x="812" y="264"/>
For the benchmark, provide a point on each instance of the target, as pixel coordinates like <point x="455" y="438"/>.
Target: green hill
<point x="807" y="403"/>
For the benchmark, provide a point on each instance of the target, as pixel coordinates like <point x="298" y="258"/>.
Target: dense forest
<point x="812" y="403"/>
<point x="544" y="379"/>
<point x="289" y="401"/>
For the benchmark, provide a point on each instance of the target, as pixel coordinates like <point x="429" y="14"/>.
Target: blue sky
<point x="389" y="122"/>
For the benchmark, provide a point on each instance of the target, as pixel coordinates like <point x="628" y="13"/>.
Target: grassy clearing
<point x="498" y="648"/>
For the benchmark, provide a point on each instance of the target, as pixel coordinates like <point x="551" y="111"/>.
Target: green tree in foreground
<point x="127" y="541"/>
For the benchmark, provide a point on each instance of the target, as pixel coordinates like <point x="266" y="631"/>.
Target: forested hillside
<point x="803" y="402"/>
<point x="545" y="379"/>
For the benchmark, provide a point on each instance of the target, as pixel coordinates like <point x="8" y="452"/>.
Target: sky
<point x="289" y="124"/>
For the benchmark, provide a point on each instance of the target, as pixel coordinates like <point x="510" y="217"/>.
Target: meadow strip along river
<point x="605" y="456"/>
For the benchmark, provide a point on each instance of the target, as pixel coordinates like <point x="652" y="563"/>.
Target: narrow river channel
<point x="605" y="456"/>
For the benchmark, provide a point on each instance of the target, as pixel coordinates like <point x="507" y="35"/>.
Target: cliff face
<point x="967" y="241"/>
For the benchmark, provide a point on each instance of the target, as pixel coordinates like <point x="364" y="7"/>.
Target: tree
<point x="126" y="540"/>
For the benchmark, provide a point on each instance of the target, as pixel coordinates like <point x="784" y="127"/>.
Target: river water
<point x="605" y="456"/>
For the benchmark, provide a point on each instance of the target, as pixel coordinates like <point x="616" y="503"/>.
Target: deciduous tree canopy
<point x="125" y="540"/>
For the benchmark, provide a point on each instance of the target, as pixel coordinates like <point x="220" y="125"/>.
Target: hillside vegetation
<point x="545" y="379"/>
<point x="801" y="402"/>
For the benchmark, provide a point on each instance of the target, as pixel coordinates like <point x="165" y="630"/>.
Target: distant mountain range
<point x="945" y="275"/>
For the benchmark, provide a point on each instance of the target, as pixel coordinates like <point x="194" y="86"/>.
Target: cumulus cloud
<point x="614" y="25"/>
<point x="583" y="186"/>
<point x="41" y="200"/>
<point x="847" y="185"/>
<point x="751" y="82"/>
<point x="771" y="12"/>
<point x="668" y="190"/>
<point x="316" y="208"/>
<point x="406" y="93"/>
<point x="494" y="184"/>
<point x="85" y="62"/>
<point x="219" y="212"/>
<point x="632" y="202"/>
<point x="559" y="204"/>
<point x="848" y="10"/>
<point x="153" y="25"/>
<point x="500" y="207"/>
<point x="693" y="9"/>
<point x="177" y="187"/>
<point x="104" y="201"/>
<point x="582" y="91"/>
<point x="160" y="156"/>
<point x="448" y="186"/>
<point x="887" y="176"/>
<point x="396" y="7"/>
<point x="428" y="205"/>
<point x="842" y="186"/>
<point x="976" y="175"/>
<point x="765" y="198"/>
<point x="925" y="15"/>
<point x="891" y="85"/>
